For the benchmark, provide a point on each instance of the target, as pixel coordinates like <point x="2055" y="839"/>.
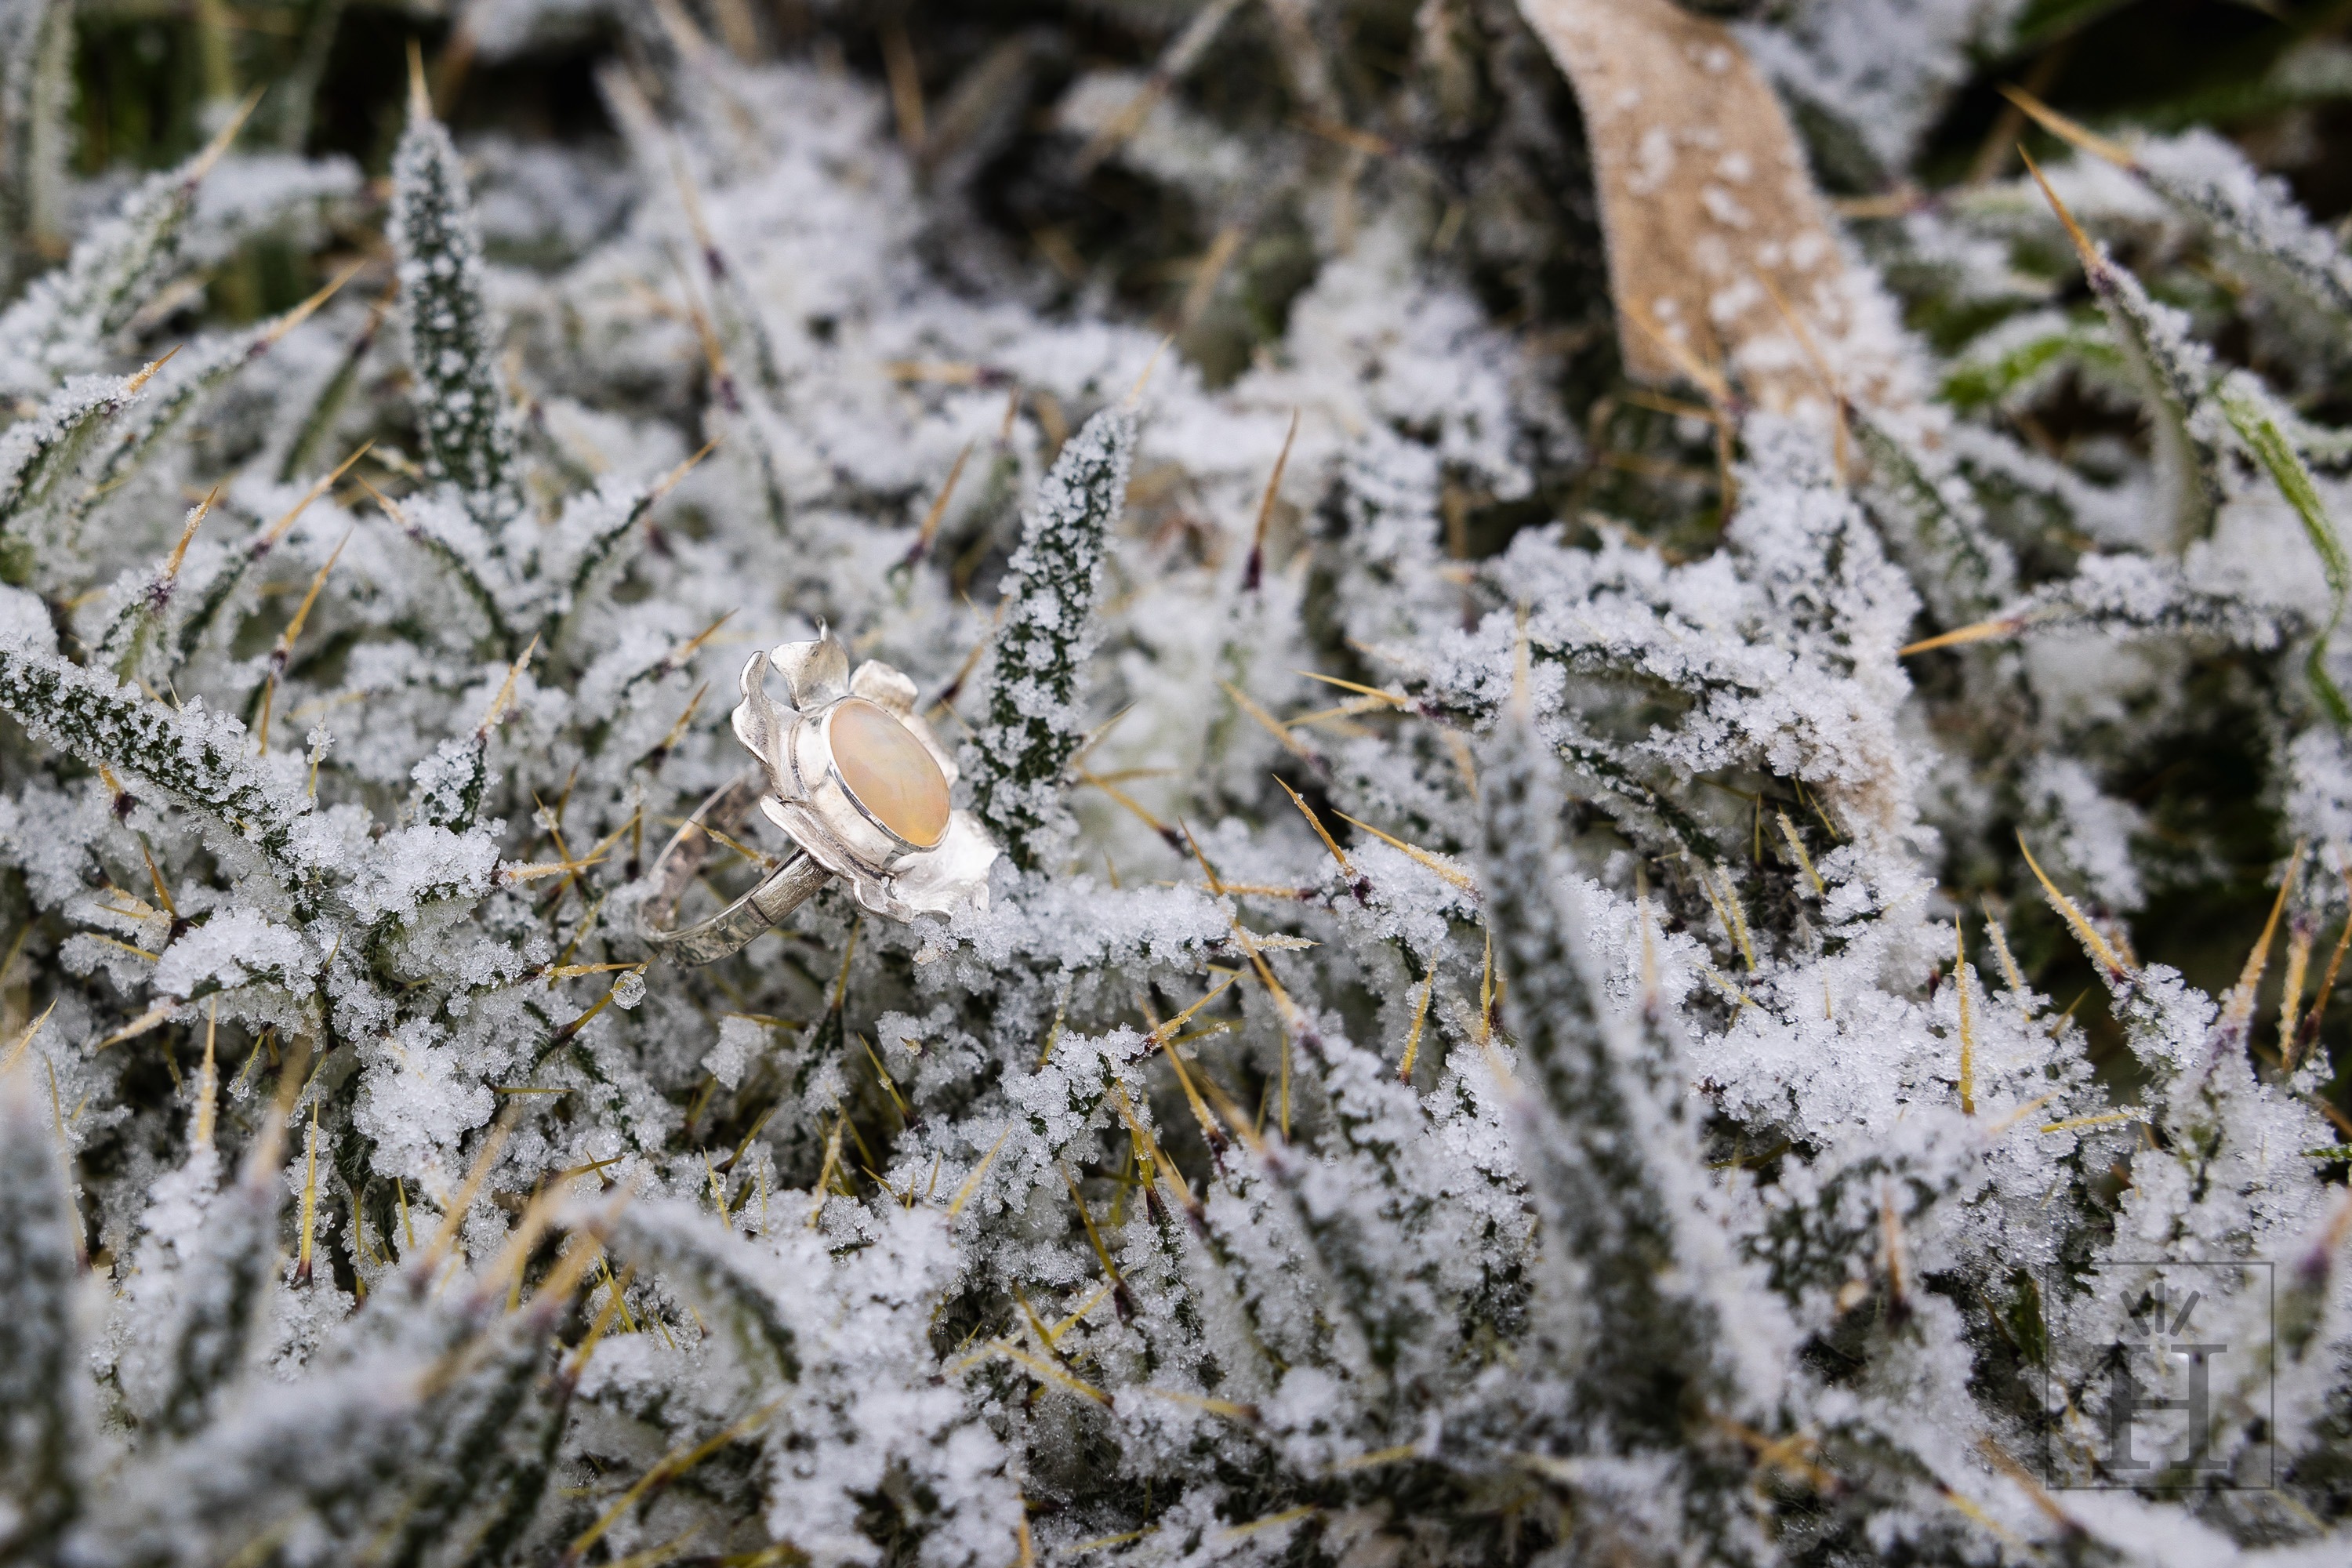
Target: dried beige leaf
<point x="1709" y="211"/>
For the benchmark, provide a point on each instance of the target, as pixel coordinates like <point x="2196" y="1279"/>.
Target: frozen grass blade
<point x="2249" y="414"/>
<point x="452" y="348"/>
<point x="1034" y="724"/>
<point x="2174" y="373"/>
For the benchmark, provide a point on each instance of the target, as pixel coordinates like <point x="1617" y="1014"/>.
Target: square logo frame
<point x="2160" y="1382"/>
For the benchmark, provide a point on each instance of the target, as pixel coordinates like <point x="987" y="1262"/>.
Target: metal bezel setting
<point x="823" y="724"/>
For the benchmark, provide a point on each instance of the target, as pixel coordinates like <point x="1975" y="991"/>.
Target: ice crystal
<point x="1586" y="971"/>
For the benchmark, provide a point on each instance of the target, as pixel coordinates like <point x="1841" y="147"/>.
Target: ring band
<point x="782" y="890"/>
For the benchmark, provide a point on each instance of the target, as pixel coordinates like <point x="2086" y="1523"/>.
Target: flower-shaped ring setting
<point x="854" y="777"/>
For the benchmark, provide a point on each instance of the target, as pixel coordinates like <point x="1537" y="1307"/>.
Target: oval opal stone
<point x="893" y="777"/>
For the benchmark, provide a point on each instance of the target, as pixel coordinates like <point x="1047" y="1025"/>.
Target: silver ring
<point x="782" y="890"/>
<point x="937" y="866"/>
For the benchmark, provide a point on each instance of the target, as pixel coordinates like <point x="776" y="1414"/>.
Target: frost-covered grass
<point x="1584" y="971"/>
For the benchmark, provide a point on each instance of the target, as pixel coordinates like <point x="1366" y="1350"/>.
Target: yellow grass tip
<point x="979" y="1172"/>
<point x="498" y="704"/>
<point x="1134" y="398"/>
<point x="24" y="1041"/>
<point x="2092" y="262"/>
<point x="219" y="145"/>
<point x="310" y="307"/>
<point x="2072" y="132"/>
<point x="669" y="481"/>
<point x="1445" y="870"/>
<point x="1983" y="631"/>
<point x="188" y="532"/>
<point x="2095" y="944"/>
<point x="420" y="95"/>
<point x="147" y="372"/>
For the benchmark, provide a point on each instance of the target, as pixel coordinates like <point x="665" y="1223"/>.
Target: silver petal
<point x="761" y="728"/>
<point x="872" y="886"/>
<point x="817" y="672"/>
<point x="815" y="835"/>
<point x="952" y="877"/>
<point x="885" y="686"/>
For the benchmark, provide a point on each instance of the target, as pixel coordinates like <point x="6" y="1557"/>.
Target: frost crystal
<point x="1642" y="927"/>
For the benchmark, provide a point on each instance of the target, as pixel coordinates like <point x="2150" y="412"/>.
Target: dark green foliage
<point x="1034" y="724"/>
<point x="452" y="348"/>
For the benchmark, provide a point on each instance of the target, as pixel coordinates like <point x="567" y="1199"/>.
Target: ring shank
<point x="680" y="861"/>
